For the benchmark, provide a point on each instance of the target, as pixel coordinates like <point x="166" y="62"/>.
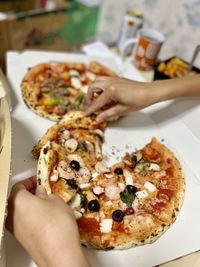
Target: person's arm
<point x="45" y="226"/>
<point x="124" y="95"/>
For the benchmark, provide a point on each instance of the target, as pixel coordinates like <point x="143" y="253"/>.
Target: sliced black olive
<point x="72" y="183"/>
<point x="131" y="189"/>
<point x="93" y="205"/>
<point x="118" y="215"/>
<point x="75" y="165"/>
<point x="118" y="171"/>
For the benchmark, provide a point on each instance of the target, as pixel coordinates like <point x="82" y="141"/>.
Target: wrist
<point x="62" y="256"/>
<point x="176" y="88"/>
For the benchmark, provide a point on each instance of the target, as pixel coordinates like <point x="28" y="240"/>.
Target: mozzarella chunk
<point x="150" y="187"/>
<point x="128" y="177"/>
<point x="65" y="134"/>
<point x="77" y="214"/>
<point x="106" y="225"/>
<point x="98" y="190"/>
<point x="94" y="175"/>
<point x="142" y="194"/>
<point x="54" y="176"/>
<point x="85" y="186"/>
<point x="135" y="203"/>
<point x="84" y="88"/>
<point x="76" y="201"/>
<point x="108" y="203"/>
<point x="91" y="76"/>
<point x="112" y="192"/>
<point x="76" y="83"/>
<point x="121" y="186"/>
<point x="154" y="167"/>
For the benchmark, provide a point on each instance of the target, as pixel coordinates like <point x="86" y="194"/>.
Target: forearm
<point x="176" y="88"/>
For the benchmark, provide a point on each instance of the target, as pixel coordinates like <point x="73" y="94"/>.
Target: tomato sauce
<point x="164" y="191"/>
<point x="158" y="206"/>
<point x="89" y="225"/>
<point x="169" y="171"/>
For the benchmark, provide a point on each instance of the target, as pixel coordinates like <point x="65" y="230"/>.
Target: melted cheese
<point x="150" y="187"/>
<point x="76" y="201"/>
<point x="106" y="225"/>
<point x="142" y="194"/>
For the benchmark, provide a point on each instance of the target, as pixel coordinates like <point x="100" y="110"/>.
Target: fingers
<point x="41" y="191"/>
<point x="90" y="94"/>
<point x="101" y="101"/>
<point x="97" y="86"/>
<point x="27" y="184"/>
<point x="114" y="111"/>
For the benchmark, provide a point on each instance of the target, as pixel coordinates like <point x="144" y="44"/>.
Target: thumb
<point x="41" y="191"/>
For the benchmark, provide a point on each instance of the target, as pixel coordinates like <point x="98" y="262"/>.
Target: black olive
<point x="75" y="165"/>
<point x="131" y="189"/>
<point x="118" y="171"/>
<point x="93" y="205"/>
<point x="72" y="183"/>
<point x="118" y="215"/>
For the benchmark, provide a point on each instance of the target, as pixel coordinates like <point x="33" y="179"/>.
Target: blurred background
<point x="63" y="25"/>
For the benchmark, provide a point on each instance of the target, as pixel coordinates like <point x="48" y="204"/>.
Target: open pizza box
<point x="5" y="153"/>
<point x="134" y="130"/>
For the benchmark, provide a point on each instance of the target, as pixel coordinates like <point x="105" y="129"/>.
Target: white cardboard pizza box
<point x="131" y="132"/>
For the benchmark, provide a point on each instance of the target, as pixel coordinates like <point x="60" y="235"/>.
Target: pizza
<point x="128" y="204"/>
<point x="52" y="90"/>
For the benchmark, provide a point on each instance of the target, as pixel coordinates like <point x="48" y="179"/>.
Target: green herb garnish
<point x="126" y="197"/>
<point x="79" y="100"/>
<point x="52" y="101"/>
<point x="83" y="199"/>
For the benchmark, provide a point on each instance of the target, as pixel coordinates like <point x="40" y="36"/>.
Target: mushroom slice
<point x="101" y="167"/>
<point x="71" y="145"/>
<point x="98" y="151"/>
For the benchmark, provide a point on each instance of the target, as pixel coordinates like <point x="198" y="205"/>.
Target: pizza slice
<point x="69" y="150"/>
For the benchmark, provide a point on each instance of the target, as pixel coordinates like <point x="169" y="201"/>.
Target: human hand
<point x="44" y="225"/>
<point x="123" y="95"/>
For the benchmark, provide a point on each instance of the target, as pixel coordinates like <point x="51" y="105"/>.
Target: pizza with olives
<point x="76" y="140"/>
<point x="52" y="90"/>
<point x="125" y="205"/>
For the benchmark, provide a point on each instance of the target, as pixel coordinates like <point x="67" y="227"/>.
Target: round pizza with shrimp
<point x="128" y="204"/>
<point x="52" y="90"/>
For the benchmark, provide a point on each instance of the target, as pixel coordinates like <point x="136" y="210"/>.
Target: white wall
<point x="179" y="20"/>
